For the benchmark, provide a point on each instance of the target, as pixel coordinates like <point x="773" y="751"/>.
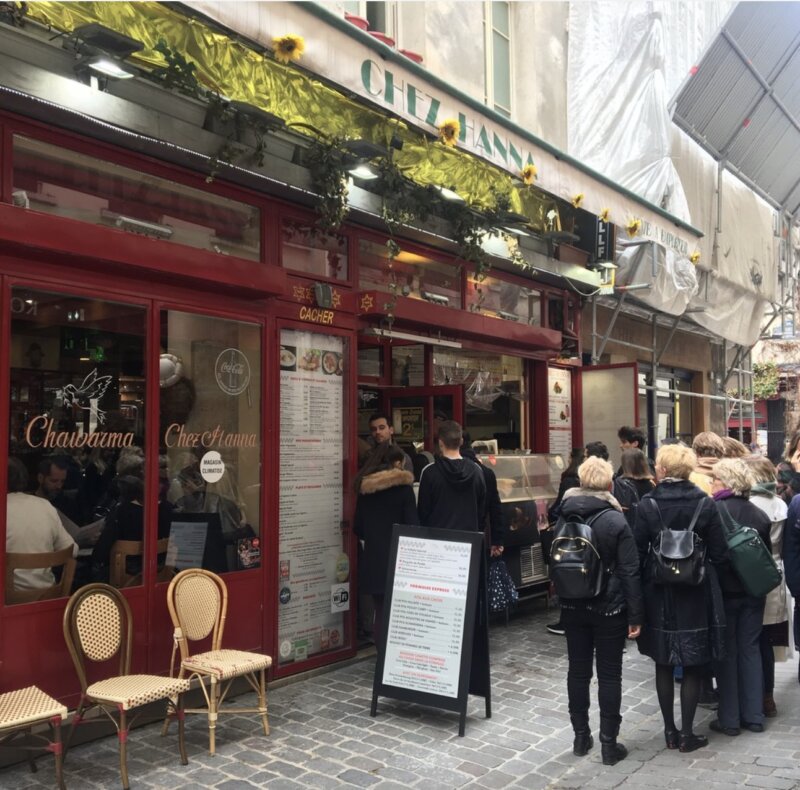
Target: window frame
<point x="489" y="29"/>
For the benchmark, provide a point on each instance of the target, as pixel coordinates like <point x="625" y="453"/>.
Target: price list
<point x="426" y="623"/>
<point x="311" y="493"/>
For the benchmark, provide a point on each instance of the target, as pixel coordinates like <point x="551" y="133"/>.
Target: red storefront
<point x="197" y="352"/>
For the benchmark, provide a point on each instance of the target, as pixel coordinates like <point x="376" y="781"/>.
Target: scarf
<point x="725" y="493"/>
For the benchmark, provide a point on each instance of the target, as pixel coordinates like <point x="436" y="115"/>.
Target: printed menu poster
<point x="426" y="623"/>
<point x="311" y="560"/>
<point x="559" y="391"/>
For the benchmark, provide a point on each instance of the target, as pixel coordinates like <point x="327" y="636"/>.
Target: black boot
<point x="612" y="751"/>
<point x="583" y="735"/>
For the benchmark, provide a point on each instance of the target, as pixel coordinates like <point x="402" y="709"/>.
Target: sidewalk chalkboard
<point x="434" y="649"/>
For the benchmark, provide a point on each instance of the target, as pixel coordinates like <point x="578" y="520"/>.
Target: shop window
<point x="408" y="365"/>
<point x="314" y="582"/>
<point x="210" y="429"/>
<point x="370" y="362"/>
<point x="412" y="275"/>
<point x="310" y="251"/>
<point x="76" y="449"/>
<point x="494" y="391"/>
<point x="501" y="299"/>
<point x="68" y="184"/>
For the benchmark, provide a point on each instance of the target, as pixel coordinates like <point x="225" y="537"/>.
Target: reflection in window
<point x="77" y="410"/>
<point x="408" y="365"/>
<point x="310" y="251"/>
<point x="68" y="184"/>
<point x="415" y="276"/>
<point x="210" y="434"/>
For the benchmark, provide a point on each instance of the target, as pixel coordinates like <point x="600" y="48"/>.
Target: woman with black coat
<point x="740" y="675"/>
<point x="385" y="498"/>
<point x="684" y="625"/>
<point x="598" y="626"/>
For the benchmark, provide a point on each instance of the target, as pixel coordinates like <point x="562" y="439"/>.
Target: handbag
<point x="678" y="556"/>
<point x="749" y="557"/>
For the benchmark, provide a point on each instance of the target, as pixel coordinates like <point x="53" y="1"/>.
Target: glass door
<point x="416" y="412"/>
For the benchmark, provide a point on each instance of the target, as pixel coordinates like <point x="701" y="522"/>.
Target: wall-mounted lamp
<point x="103" y="52"/>
<point x="607" y="271"/>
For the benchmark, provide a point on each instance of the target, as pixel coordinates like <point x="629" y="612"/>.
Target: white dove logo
<point x="87" y="394"/>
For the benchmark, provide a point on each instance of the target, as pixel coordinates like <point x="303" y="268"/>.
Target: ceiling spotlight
<point x="435" y="298"/>
<point x="449" y="194"/>
<point x="363" y="171"/>
<point x="106" y="66"/>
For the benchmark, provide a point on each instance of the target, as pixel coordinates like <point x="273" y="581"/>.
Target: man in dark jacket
<point x="452" y="490"/>
<point x="599" y="625"/>
<point x="791" y="563"/>
<point x="494" y="510"/>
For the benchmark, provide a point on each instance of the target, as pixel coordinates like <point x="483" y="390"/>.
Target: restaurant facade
<point x="183" y="341"/>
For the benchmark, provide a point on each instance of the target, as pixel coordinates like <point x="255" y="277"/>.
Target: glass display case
<point x="528" y="485"/>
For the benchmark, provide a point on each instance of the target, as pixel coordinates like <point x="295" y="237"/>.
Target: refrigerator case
<point x="528" y="485"/>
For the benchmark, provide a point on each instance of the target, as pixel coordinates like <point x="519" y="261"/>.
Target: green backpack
<point x="749" y="557"/>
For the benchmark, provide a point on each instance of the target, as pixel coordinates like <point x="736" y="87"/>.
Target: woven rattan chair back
<point x="52" y="559"/>
<point x="98" y="627"/>
<point x="198" y="601"/>
<point x="121" y="550"/>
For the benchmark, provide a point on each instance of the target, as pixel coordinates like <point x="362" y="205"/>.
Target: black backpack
<point x="627" y="495"/>
<point x="576" y="568"/>
<point x="678" y="556"/>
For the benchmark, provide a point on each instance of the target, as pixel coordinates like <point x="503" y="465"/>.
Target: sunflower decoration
<point x="605" y="215"/>
<point x="633" y="227"/>
<point x="449" y="132"/>
<point x="695" y="256"/>
<point x="288" y="48"/>
<point x="577" y="200"/>
<point x="528" y="174"/>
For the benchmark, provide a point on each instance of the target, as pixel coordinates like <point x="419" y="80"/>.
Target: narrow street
<point x="323" y="737"/>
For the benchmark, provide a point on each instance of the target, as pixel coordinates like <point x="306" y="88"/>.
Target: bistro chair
<point x="20" y="712"/>
<point x="198" y="603"/>
<point x="121" y="550"/>
<point x="98" y="627"/>
<point x="51" y="559"/>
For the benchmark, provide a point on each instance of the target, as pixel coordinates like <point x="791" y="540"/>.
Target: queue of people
<point x="681" y="592"/>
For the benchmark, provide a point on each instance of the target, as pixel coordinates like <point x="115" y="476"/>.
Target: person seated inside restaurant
<point x="52" y="475"/>
<point x="32" y="527"/>
<point x="125" y="521"/>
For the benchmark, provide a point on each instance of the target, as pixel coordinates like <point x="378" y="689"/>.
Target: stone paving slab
<point x="322" y="736"/>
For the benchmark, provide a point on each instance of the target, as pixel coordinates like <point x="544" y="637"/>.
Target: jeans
<point x="739" y="674"/>
<point x="591" y="636"/>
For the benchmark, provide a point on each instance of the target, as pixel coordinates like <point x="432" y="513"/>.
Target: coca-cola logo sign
<point x="232" y="371"/>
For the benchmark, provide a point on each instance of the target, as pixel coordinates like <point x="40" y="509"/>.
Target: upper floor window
<point x="69" y="184"/>
<point x="381" y="15"/>
<point x="497" y="30"/>
<point x="310" y="251"/>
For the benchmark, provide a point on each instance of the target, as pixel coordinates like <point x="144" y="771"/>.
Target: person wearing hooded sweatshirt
<point x="385" y="498"/>
<point x="452" y="490"/>
<point x="597" y="627"/>
<point x="775" y="629"/>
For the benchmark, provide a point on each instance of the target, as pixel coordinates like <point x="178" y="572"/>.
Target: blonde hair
<point x="762" y="468"/>
<point x="708" y="444"/>
<point x="734" y="448"/>
<point x="734" y="474"/>
<point x="676" y="461"/>
<point x="596" y="473"/>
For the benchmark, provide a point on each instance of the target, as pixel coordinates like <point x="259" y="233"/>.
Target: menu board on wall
<point x="559" y="394"/>
<point x="314" y="573"/>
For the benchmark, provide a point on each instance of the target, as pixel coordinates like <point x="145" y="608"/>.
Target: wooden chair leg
<point x="123" y="749"/>
<point x="213" y="696"/>
<point x="180" y="713"/>
<point x="262" y="700"/>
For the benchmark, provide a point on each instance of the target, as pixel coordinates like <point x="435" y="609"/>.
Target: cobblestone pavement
<point x="322" y="736"/>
